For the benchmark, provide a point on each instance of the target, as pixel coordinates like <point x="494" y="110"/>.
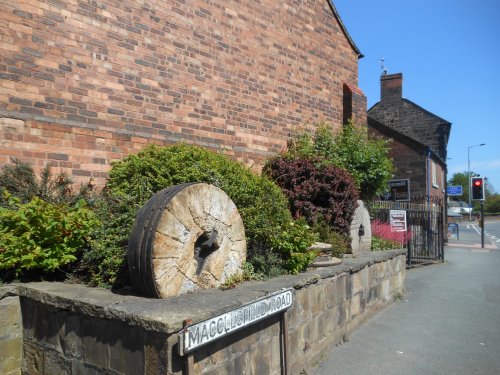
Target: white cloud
<point x="488" y="165"/>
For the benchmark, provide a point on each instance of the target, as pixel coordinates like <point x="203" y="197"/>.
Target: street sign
<point x="199" y="334"/>
<point x="455" y="191"/>
<point x="399" y="190"/>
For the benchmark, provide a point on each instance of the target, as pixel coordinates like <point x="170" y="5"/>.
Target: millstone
<point x="186" y="237"/>
<point x="361" y="230"/>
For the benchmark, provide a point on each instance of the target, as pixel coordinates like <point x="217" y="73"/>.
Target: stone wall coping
<point x="167" y="315"/>
<point x="8" y="291"/>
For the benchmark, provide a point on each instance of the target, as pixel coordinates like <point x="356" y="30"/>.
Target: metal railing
<point x="425" y="224"/>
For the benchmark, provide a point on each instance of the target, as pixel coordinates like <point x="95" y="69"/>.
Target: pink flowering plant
<point x="384" y="238"/>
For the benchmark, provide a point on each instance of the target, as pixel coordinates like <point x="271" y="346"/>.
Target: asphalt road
<point x="447" y="323"/>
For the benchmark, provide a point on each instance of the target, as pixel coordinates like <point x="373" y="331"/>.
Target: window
<point x="434" y="175"/>
<point x="442" y="179"/>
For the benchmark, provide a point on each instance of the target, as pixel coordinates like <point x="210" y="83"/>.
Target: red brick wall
<point x="412" y="164"/>
<point x="86" y="82"/>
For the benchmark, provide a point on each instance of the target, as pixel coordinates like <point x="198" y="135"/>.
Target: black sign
<point x="399" y="190"/>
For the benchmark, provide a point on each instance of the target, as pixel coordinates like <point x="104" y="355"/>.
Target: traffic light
<point x="477" y="188"/>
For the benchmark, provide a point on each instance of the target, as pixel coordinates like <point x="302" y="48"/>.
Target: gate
<point x="426" y="224"/>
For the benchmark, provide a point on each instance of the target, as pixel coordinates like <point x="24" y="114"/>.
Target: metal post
<point x="468" y="182"/>
<point x="284" y="343"/>
<point x="481" y="222"/>
<point x="189" y="358"/>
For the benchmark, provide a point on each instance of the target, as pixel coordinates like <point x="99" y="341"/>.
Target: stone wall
<point x="83" y="83"/>
<point x="11" y="340"/>
<point x="71" y="329"/>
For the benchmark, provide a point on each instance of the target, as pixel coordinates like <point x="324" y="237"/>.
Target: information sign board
<point x="454" y="191"/>
<point x="398" y="220"/>
<point x="399" y="190"/>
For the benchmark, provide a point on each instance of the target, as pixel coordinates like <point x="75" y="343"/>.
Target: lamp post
<point x="468" y="176"/>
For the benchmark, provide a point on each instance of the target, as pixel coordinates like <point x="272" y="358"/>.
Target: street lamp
<point x="468" y="176"/>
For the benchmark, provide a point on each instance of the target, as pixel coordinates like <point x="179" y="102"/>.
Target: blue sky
<point x="449" y="54"/>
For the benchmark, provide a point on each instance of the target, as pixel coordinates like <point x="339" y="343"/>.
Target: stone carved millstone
<point x="361" y="230"/>
<point x="186" y="237"/>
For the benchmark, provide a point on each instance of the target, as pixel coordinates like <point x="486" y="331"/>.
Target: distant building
<point x="419" y="141"/>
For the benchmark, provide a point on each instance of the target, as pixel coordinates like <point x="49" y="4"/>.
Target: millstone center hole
<point x="205" y="245"/>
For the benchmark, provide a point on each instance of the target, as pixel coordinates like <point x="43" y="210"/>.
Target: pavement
<point x="448" y="322"/>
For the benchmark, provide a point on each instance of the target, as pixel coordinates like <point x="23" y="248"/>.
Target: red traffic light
<point x="478" y="189"/>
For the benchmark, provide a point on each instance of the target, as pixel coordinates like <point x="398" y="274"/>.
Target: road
<point x="470" y="234"/>
<point x="447" y="323"/>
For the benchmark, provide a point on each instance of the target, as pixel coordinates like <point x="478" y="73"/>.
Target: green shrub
<point x="42" y="236"/>
<point x="292" y="240"/>
<point x="261" y="204"/>
<point x="104" y="262"/>
<point x="341" y="243"/>
<point x="379" y="244"/>
<point x="248" y="274"/>
<point x="367" y="160"/>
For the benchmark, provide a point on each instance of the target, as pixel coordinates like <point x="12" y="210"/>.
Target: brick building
<point x="83" y="83"/>
<point x="418" y="140"/>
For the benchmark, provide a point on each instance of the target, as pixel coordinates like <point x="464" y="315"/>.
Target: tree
<point x="492" y="204"/>
<point x="460" y="179"/>
<point x="367" y="160"/>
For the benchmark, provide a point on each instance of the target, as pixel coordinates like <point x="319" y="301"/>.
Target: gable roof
<point x="344" y="30"/>
<point x="439" y="121"/>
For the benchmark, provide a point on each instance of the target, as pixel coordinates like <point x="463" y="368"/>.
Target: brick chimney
<point x="391" y="87"/>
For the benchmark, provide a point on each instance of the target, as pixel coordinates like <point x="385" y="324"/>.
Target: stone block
<point x="385" y="290"/>
<point x="96" y="343"/>
<point x="33" y="359"/>
<point x="77" y="367"/>
<point x="343" y="312"/>
<point x="300" y="311"/>
<point x="11" y="355"/>
<point x="156" y="353"/>
<point x="356" y="307"/>
<point x="397" y="282"/>
<point x="297" y="343"/>
<point x="374" y="294"/>
<point x="318" y="299"/>
<point x="55" y="363"/>
<point x="275" y="355"/>
<point x="259" y="359"/>
<point x="126" y="349"/>
<point x="377" y="273"/>
<point x="340" y="288"/>
<point x="327" y="322"/>
<point x="70" y="336"/>
<point x="359" y="281"/>
<point x="10" y="316"/>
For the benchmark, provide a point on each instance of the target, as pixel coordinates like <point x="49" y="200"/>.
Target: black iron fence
<point x="425" y="225"/>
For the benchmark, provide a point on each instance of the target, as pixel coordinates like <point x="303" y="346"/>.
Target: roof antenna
<point x="382" y="66"/>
